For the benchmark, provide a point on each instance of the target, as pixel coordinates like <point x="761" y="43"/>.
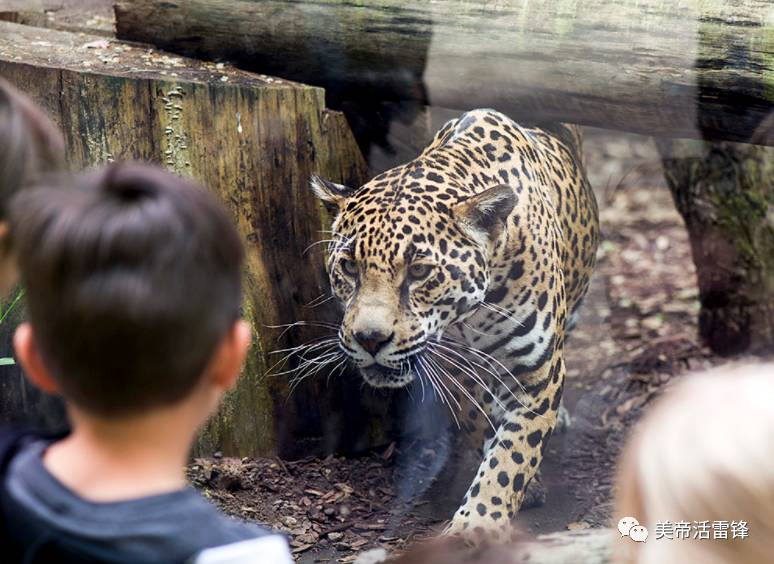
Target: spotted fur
<point x="462" y="269"/>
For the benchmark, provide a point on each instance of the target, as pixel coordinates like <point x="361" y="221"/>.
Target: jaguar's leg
<point x="514" y="455"/>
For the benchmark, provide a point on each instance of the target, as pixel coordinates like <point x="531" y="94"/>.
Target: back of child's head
<point x="30" y="144"/>
<point x="704" y="456"/>
<point x="133" y="277"/>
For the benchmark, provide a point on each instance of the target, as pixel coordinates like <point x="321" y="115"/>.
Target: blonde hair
<point x="705" y="452"/>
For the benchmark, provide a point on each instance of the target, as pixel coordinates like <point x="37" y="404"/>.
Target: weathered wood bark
<point x="20" y="402"/>
<point x="725" y="193"/>
<point x="680" y="69"/>
<point x="256" y="141"/>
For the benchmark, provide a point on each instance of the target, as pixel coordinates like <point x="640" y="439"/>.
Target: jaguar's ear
<point x="331" y="194"/>
<point x="484" y="214"/>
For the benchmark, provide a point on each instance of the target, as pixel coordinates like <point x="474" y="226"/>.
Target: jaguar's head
<point x="408" y="259"/>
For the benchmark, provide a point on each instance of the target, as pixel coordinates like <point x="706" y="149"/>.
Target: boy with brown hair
<point x="133" y="280"/>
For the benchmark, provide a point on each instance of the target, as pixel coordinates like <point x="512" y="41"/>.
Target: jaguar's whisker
<point x="468" y="372"/>
<point x="466" y="393"/>
<point x="469" y="326"/>
<point x="288" y="326"/>
<point x="296" y="381"/>
<point x="421" y="365"/>
<point x="319" y="303"/>
<point x="312" y="343"/>
<point x="438" y="381"/>
<point x="302" y="349"/>
<point x="306" y="364"/>
<point x="340" y="367"/>
<point x="481" y="354"/>
<point x="295" y="350"/>
<point x="320" y="242"/>
<point x="471" y="364"/>
<point x="421" y="381"/>
<point x="503" y="313"/>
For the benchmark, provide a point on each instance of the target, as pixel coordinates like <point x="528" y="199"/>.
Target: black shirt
<point x="44" y="515"/>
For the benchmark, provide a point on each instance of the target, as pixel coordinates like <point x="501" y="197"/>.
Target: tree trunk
<point x="255" y="141"/>
<point x="725" y="193"/>
<point x="695" y="69"/>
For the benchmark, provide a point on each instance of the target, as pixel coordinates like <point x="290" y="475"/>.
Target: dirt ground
<point x="637" y="334"/>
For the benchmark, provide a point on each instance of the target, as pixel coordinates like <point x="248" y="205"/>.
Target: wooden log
<point x="253" y="139"/>
<point x="30" y="5"/>
<point x="677" y="69"/>
<point x="589" y="546"/>
<point x="89" y="16"/>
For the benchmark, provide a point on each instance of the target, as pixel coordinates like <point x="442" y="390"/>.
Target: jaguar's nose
<point x="373" y="341"/>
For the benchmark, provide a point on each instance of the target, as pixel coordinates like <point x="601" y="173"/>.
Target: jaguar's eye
<point x="349" y="267"/>
<point x="420" y="270"/>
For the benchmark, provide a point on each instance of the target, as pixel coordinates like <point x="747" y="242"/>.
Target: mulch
<point x="335" y="503"/>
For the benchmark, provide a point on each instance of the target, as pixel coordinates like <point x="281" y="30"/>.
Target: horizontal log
<point x="30" y="5"/>
<point x="256" y="141"/>
<point x="590" y="546"/>
<point x="678" y="69"/>
<point x="89" y="16"/>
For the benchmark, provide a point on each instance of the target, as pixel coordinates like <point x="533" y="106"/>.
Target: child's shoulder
<point x="228" y="540"/>
<point x="14" y="438"/>
<point x="270" y="548"/>
<point x="170" y="527"/>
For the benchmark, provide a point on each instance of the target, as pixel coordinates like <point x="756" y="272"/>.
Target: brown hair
<point x="30" y="144"/>
<point x="133" y="276"/>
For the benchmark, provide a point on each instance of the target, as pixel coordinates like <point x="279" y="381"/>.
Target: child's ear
<point x="27" y="352"/>
<point x="230" y="356"/>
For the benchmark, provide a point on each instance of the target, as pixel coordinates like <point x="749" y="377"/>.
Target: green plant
<point x="7" y="361"/>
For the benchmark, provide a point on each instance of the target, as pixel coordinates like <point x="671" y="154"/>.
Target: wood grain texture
<point x="689" y="68"/>
<point x="254" y="140"/>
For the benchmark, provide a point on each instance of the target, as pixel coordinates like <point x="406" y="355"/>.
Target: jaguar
<point x="463" y="271"/>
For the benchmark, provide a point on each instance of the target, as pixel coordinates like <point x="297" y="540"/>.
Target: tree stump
<point x="256" y="141"/>
<point x="725" y="193"/>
